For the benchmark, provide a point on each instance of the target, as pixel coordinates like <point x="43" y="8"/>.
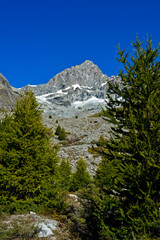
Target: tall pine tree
<point x="28" y="159"/>
<point x="127" y="205"/>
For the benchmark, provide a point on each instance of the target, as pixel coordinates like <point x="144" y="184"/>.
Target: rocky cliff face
<point x="7" y="94"/>
<point x="77" y="90"/>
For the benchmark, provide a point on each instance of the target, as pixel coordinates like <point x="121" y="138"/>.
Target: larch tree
<point x="126" y="204"/>
<point x="28" y="159"/>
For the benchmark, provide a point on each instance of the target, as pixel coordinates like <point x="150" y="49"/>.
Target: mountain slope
<point x="7" y="94"/>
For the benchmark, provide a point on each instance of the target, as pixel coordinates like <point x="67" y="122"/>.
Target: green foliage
<point x="126" y="204"/>
<point x="81" y="177"/>
<point x="64" y="174"/>
<point x="100" y="148"/>
<point x="99" y="114"/>
<point x="61" y="133"/>
<point x="28" y="159"/>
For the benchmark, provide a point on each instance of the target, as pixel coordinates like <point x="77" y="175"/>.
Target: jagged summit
<point x="86" y="63"/>
<point x="86" y="74"/>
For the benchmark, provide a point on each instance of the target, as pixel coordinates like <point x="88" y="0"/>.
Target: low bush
<point x="61" y="133"/>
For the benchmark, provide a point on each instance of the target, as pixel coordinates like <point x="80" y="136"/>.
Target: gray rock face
<point x="7" y="94"/>
<point x="79" y="89"/>
<point x="47" y="228"/>
<point x="86" y="75"/>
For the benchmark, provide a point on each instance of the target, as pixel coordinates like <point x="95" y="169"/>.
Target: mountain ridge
<point x="77" y="90"/>
<point x="80" y="89"/>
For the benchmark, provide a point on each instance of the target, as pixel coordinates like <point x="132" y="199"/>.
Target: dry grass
<point x="17" y="227"/>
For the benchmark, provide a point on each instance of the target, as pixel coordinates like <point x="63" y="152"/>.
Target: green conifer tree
<point x="58" y="130"/>
<point x="127" y="205"/>
<point x="28" y="159"/>
<point x="81" y="178"/>
<point x="61" y="133"/>
<point x="64" y="174"/>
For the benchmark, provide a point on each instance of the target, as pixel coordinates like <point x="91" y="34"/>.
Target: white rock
<point x="45" y="230"/>
<point x="33" y="213"/>
<point x="73" y="196"/>
<point x="51" y="226"/>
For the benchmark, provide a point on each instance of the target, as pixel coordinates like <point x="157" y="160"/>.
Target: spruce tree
<point x="28" y="159"/>
<point x="127" y="205"/>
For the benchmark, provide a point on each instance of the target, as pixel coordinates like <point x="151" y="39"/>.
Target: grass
<point x="99" y="114"/>
<point x="24" y="227"/>
<point x="18" y="228"/>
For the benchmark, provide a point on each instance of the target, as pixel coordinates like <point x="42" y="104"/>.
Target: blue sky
<point x="40" y="38"/>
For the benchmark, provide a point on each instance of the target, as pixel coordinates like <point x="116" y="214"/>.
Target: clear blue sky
<point x="40" y="38"/>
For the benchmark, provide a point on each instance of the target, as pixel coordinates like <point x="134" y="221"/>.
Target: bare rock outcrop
<point x="7" y="94"/>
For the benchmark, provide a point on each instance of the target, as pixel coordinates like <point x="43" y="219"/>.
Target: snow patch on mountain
<point x="32" y="85"/>
<point x="61" y="92"/>
<point x="90" y="100"/>
<point x="43" y="98"/>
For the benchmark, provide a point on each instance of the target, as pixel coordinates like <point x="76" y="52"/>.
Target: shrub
<point x="61" y="133"/>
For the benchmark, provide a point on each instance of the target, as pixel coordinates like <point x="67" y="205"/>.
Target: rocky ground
<point x="83" y="133"/>
<point x="32" y="226"/>
<point x="36" y="226"/>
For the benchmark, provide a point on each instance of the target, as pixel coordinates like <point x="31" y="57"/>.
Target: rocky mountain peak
<point x="87" y="65"/>
<point x="78" y="89"/>
<point x="87" y="74"/>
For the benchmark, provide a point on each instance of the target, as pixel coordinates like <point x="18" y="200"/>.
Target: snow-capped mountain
<point x="79" y="89"/>
<point x="76" y="90"/>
